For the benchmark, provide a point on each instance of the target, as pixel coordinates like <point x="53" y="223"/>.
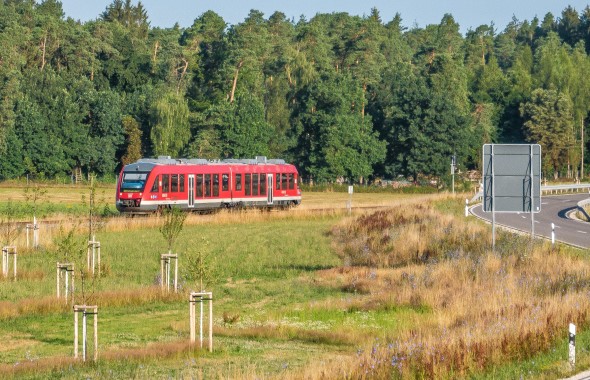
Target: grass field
<point x="285" y="305"/>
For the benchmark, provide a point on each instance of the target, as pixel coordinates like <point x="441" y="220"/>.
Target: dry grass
<point x="23" y="275"/>
<point x="269" y="331"/>
<point x="51" y="304"/>
<point x="485" y="308"/>
<point x="57" y="364"/>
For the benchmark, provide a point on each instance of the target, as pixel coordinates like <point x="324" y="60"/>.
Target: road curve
<point x="554" y="209"/>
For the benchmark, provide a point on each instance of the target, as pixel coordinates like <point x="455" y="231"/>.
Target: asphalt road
<point x="554" y="209"/>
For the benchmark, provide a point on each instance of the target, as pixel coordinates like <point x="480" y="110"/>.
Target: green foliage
<point x="200" y="267"/>
<point x="338" y="95"/>
<point x="245" y="132"/>
<point x="69" y="246"/>
<point x="549" y="122"/>
<point x="335" y="139"/>
<point x="10" y="227"/>
<point x="172" y="224"/>
<point x="170" y="131"/>
<point x="34" y="194"/>
<point x="133" y="140"/>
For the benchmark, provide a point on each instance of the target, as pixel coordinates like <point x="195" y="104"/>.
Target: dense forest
<point x="343" y="97"/>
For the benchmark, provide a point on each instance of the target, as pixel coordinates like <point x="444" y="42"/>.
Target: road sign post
<point x="511" y="181"/>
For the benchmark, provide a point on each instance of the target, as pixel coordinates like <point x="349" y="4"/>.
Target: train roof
<point x="147" y="164"/>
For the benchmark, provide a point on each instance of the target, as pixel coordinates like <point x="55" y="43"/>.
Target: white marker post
<point x="552" y="235"/>
<point x="349" y="203"/>
<point x="572" y="346"/>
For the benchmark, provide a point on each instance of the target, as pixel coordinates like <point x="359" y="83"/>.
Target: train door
<point x="269" y="189"/>
<point x="191" y="190"/>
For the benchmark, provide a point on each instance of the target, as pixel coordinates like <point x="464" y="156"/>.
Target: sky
<point x="468" y="13"/>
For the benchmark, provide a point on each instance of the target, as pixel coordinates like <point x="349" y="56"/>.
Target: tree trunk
<point x="234" y="84"/>
<point x="363" y="105"/>
<point x="288" y="71"/>
<point x="155" y="56"/>
<point x="43" y="48"/>
<point x="184" y="67"/>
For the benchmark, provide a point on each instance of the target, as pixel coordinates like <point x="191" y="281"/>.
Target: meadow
<point x="403" y="287"/>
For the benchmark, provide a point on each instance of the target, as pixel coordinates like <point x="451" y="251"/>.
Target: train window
<point x="263" y="184"/>
<point x="247" y="184"/>
<point x="165" y="183"/>
<point x="207" y="185"/>
<point x="238" y="182"/>
<point x="155" y="185"/>
<point x="291" y="181"/>
<point x="225" y="182"/>
<point x="284" y="181"/>
<point x="181" y="183"/>
<point x="278" y="180"/>
<point x="215" y="185"/>
<point x="174" y="187"/>
<point x="199" y="185"/>
<point x="254" y="184"/>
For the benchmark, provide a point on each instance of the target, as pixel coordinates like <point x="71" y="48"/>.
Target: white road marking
<point x="583" y="232"/>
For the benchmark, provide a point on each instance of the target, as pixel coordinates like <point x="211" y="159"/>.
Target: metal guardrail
<point x="582" y="210"/>
<point x="551" y="189"/>
<point x="561" y="188"/>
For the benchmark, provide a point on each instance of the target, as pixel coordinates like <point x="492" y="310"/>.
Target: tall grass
<point x="485" y="307"/>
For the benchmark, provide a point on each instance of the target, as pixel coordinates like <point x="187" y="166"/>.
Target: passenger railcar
<point x="150" y="185"/>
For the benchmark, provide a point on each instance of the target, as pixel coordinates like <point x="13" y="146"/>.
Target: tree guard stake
<point x="193" y="299"/>
<point x="6" y="252"/>
<point x="85" y="310"/>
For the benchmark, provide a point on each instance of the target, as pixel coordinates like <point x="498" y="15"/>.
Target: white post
<point x="466" y="207"/>
<point x="6" y="252"/>
<point x="572" y="346"/>
<point x="349" y="205"/>
<point x="35" y="233"/>
<point x="176" y="274"/>
<point x="84" y="335"/>
<point x="211" y="322"/>
<point x="95" y="316"/>
<point x="5" y="261"/>
<point x="162" y="271"/>
<point x="200" y="297"/>
<point x="98" y="253"/>
<point x="201" y="323"/>
<point x="552" y="234"/>
<point x="67" y="285"/>
<point x="93" y="253"/>
<point x="191" y="313"/>
<point x="75" y="332"/>
<point x="168" y="273"/>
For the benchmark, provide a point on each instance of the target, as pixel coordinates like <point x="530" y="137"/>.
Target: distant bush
<point x="336" y="188"/>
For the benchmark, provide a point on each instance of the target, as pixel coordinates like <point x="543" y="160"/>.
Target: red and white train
<point x="151" y="185"/>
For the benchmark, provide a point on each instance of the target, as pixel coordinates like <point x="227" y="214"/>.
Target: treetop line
<point x="339" y="96"/>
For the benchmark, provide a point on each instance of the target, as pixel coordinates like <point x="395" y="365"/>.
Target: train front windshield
<point x="133" y="182"/>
